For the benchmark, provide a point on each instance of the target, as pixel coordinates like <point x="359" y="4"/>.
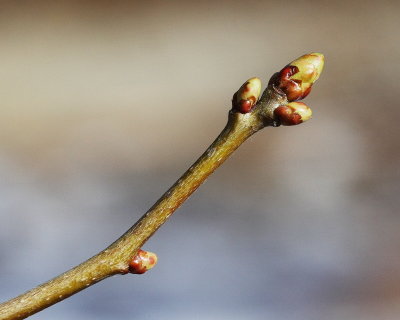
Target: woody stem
<point x="115" y="259"/>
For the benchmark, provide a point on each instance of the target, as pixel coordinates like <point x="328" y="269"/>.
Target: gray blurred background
<point x="105" y="103"/>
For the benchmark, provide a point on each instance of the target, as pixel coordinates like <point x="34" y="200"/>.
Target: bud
<point x="142" y="262"/>
<point x="247" y="95"/>
<point x="293" y="113"/>
<point x="297" y="78"/>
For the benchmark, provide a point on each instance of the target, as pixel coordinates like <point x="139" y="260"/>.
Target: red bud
<point x="142" y="262"/>
<point x="292" y="114"/>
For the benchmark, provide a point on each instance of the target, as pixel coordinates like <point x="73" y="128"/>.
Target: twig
<point x="248" y="115"/>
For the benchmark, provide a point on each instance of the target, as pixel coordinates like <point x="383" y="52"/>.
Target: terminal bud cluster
<point x="294" y="82"/>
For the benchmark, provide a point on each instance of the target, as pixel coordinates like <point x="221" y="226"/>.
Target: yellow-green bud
<point x="247" y="95"/>
<point x="297" y="78"/>
<point x="293" y="113"/>
<point x="310" y="67"/>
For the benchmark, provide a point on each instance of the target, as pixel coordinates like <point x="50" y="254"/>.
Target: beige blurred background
<point x="105" y="103"/>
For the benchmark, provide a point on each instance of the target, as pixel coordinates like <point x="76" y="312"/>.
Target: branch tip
<point x="250" y="113"/>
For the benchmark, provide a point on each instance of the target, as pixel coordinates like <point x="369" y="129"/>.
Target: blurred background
<point x="104" y="104"/>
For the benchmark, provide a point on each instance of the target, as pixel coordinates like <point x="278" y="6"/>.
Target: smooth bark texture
<point x="247" y="116"/>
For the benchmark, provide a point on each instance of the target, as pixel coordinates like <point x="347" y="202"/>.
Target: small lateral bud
<point x="297" y="78"/>
<point x="142" y="262"/>
<point x="247" y="95"/>
<point x="293" y="113"/>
